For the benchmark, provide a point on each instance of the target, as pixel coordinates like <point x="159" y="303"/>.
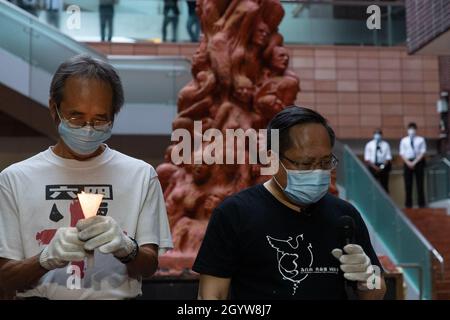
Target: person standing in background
<point x="53" y="7"/>
<point x="106" y="11"/>
<point x="412" y="151"/>
<point x="171" y="16"/>
<point x="193" y="24"/>
<point x="442" y="109"/>
<point x="377" y="156"/>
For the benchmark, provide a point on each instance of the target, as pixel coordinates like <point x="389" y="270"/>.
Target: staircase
<point x="434" y="224"/>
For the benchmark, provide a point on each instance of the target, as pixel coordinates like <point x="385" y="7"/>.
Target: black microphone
<point x="346" y="232"/>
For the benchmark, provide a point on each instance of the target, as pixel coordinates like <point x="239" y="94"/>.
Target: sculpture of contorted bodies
<point x="279" y="86"/>
<point x="240" y="78"/>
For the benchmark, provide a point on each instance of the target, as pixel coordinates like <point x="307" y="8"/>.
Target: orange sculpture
<point x="240" y="80"/>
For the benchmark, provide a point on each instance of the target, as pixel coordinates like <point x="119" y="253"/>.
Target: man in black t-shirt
<point x="282" y="240"/>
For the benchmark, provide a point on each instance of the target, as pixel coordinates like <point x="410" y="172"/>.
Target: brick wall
<point x="356" y="88"/>
<point x="359" y="89"/>
<point x="425" y="20"/>
<point x="444" y="67"/>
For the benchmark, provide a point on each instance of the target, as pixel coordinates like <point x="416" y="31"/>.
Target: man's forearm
<point x="20" y="275"/>
<point x="418" y="159"/>
<point x="213" y="288"/>
<point x="371" y="165"/>
<point x="406" y="161"/>
<point x="146" y="262"/>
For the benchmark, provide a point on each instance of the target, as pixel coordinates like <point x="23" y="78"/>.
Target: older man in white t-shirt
<point x="45" y="241"/>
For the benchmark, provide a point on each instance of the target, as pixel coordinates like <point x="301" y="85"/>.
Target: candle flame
<point x="90" y="202"/>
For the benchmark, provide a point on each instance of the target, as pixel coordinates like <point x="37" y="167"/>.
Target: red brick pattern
<point x="163" y="49"/>
<point x="356" y="88"/>
<point x="359" y="89"/>
<point x="444" y="66"/>
<point x="425" y="21"/>
<point x="434" y="225"/>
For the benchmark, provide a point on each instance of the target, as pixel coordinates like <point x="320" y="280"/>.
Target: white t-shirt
<point x="406" y="149"/>
<point x="383" y="153"/>
<point x="38" y="196"/>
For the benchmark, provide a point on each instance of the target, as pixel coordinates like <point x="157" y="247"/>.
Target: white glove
<point x="105" y="234"/>
<point x="355" y="264"/>
<point x="64" y="247"/>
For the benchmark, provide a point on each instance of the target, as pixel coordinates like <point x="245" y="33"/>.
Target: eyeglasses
<point x="328" y="164"/>
<point x="78" y="123"/>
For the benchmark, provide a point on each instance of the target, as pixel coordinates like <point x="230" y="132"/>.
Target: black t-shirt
<point x="273" y="252"/>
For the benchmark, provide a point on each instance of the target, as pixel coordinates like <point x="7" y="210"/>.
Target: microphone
<point x="346" y="232"/>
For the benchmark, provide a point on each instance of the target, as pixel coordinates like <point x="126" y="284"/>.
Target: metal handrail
<point x="429" y="246"/>
<point x="437" y="162"/>
<point x="50" y="32"/>
<point x="446" y="162"/>
<point x="389" y="199"/>
<point x="441" y="261"/>
<point x="438" y="166"/>
<point x="420" y="269"/>
<point x="399" y="212"/>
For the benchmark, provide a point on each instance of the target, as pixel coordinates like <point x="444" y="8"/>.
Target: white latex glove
<point x="105" y="234"/>
<point x="63" y="248"/>
<point x="355" y="264"/>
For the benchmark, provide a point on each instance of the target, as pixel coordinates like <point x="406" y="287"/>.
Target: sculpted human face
<point x="212" y="201"/>
<point x="200" y="58"/>
<point x="261" y="35"/>
<point x="243" y="89"/>
<point x="280" y="59"/>
<point x="201" y="173"/>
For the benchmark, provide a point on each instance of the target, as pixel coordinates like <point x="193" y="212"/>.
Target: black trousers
<point x="408" y="175"/>
<point x="382" y="176"/>
<point x="53" y="18"/>
<point x="193" y="27"/>
<point x="173" y="20"/>
<point x="106" y="21"/>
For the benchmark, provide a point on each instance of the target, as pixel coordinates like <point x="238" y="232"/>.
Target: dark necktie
<point x="412" y="147"/>
<point x="377" y="148"/>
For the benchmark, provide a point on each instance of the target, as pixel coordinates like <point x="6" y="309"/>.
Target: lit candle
<point x="90" y="202"/>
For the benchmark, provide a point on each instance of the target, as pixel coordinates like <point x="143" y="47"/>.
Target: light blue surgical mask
<point x="377" y="137"/>
<point x="305" y="187"/>
<point x="85" y="140"/>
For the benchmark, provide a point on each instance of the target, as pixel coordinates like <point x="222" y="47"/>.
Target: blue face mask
<point x="305" y="187"/>
<point x="85" y="140"/>
<point x="377" y="137"/>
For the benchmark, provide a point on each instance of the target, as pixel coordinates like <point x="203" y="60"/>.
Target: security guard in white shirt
<point x="412" y="151"/>
<point x="377" y="156"/>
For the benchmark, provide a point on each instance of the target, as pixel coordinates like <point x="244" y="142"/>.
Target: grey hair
<point x="85" y="66"/>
